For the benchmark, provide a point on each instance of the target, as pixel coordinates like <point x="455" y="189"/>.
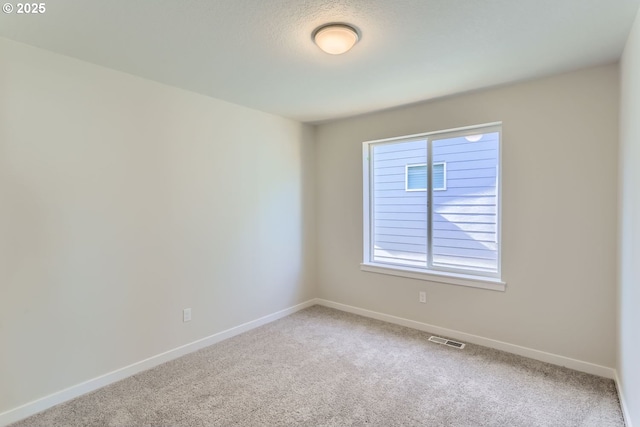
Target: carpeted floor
<point x="323" y="367"/>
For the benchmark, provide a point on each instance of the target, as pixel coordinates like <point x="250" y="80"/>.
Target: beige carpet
<point x="322" y="367"/>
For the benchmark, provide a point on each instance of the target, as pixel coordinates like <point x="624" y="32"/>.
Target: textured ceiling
<point x="259" y="53"/>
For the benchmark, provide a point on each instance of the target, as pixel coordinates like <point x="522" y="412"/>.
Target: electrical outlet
<point x="423" y="297"/>
<point x="186" y="315"/>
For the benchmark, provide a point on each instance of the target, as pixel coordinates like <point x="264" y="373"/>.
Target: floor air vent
<point x="445" y="341"/>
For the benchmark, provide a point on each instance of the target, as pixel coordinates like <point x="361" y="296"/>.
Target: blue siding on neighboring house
<point x="464" y="233"/>
<point x="465" y="215"/>
<point x="400" y="216"/>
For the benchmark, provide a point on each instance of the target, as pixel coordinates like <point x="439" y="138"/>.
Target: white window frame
<point x="406" y="177"/>
<point x="491" y="281"/>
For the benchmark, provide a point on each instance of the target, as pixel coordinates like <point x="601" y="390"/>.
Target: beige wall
<point x="629" y="273"/>
<point x="123" y="201"/>
<point x="560" y="147"/>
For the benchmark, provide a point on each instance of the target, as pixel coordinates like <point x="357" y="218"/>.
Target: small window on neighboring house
<point x="416" y="177"/>
<point x="439" y="176"/>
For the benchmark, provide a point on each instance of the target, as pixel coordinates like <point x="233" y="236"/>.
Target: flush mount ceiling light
<point x="335" y="39"/>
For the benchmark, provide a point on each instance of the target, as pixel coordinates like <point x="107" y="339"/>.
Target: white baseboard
<point x="623" y="403"/>
<point x="555" y="359"/>
<point x="39" y="405"/>
<point x="62" y="396"/>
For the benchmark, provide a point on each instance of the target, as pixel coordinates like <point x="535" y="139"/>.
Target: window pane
<point x="465" y="215"/>
<point x="399" y="217"/>
<point x="439" y="177"/>
<point x="417" y="177"/>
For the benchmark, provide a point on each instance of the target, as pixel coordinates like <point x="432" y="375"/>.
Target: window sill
<point x="437" y="276"/>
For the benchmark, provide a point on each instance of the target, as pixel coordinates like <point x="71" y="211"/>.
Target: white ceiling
<point x="259" y="53"/>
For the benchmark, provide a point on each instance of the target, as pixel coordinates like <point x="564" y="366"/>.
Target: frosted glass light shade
<point x="335" y="39"/>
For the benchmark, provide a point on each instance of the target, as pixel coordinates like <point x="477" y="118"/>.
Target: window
<point x="416" y="177"/>
<point x="439" y="176"/>
<point x="446" y="231"/>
